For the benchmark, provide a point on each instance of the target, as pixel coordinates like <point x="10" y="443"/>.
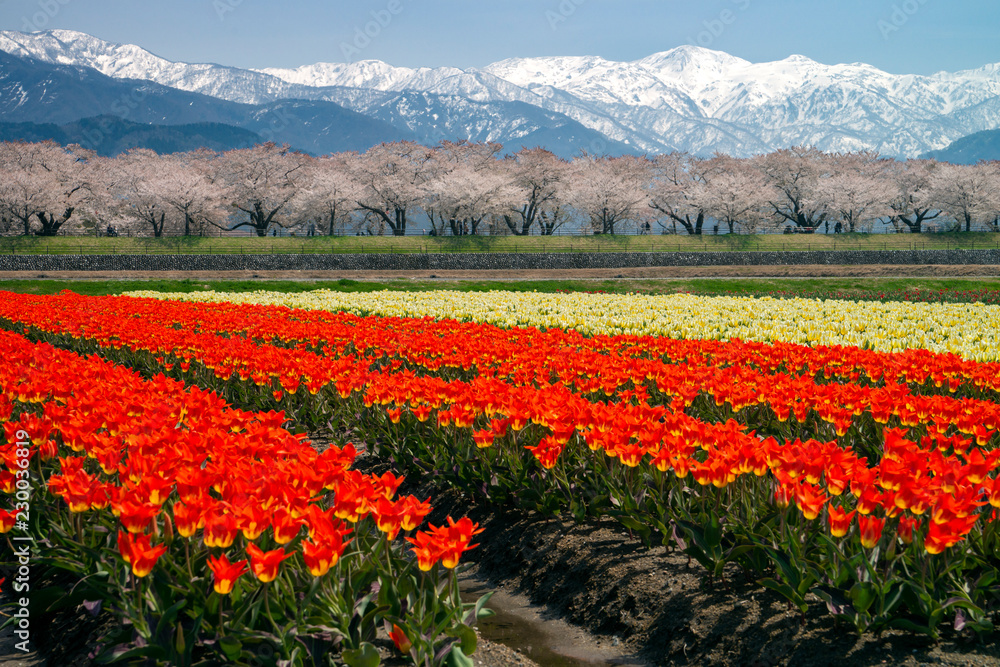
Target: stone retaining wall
<point x="486" y="261"/>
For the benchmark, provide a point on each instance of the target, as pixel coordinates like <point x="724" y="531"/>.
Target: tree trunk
<point x="796" y="215"/>
<point x="397" y="223"/>
<point x="528" y="213"/>
<point x="692" y="228"/>
<point x="260" y="219"/>
<point x="399" y="229"/>
<point x="25" y="221"/>
<point x="919" y="216"/>
<point x="525" y="227"/>
<point x="50" y="225"/>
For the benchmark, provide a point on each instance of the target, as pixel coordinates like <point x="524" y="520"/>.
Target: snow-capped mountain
<point x="373" y="74"/>
<point x="37" y="98"/>
<point x="688" y="98"/>
<point x="127" y="61"/>
<point x="791" y="101"/>
<point x="455" y="104"/>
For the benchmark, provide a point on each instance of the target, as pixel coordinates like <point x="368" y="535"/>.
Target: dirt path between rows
<point x="642" y="273"/>
<point x="661" y="609"/>
<point x="629" y="604"/>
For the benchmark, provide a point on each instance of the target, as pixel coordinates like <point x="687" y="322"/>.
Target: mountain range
<point x="111" y="135"/>
<point x="688" y="99"/>
<point x="972" y="149"/>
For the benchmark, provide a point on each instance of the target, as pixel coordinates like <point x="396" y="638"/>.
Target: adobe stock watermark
<point x="715" y="27"/>
<point x="22" y="541"/>
<point x="598" y="146"/>
<point x="122" y="108"/>
<point x="278" y="121"/>
<point x="47" y="10"/>
<point x="365" y="34"/>
<point x="223" y="7"/>
<point x="562" y="13"/>
<point x="901" y="14"/>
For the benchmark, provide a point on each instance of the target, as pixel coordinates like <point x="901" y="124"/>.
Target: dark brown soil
<point x="64" y="639"/>
<point x="655" y="605"/>
<point x="596" y="576"/>
<point x="490" y="654"/>
<point x="11" y="657"/>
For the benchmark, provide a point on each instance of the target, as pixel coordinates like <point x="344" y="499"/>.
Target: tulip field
<point x="213" y="532"/>
<point x="839" y="453"/>
<point x="971" y="330"/>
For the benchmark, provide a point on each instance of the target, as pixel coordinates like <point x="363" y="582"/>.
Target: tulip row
<point x="788" y="379"/>
<point x="983" y="295"/>
<point x="461" y="345"/>
<point x="836" y="403"/>
<point x="151" y="488"/>
<point x="923" y="488"/>
<point x="969" y="330"/>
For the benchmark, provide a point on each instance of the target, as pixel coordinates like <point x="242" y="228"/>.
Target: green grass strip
<point x="936" y="289"/>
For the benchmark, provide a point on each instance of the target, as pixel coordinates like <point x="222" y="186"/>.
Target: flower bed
<point x="866" y="479"/>
<point x="213" y="533"/>
<point x="969" y="330"/>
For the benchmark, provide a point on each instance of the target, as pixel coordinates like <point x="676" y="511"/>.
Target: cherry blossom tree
<point x="794" y="175"/>
<point x="69" y="187"/>
<point x="44" y="183"/>
<point x="677" y="190"/>
<point x="22" y="186"/>
<point x="538" y="177"/>
<point x="192" y="191"/>
<point x="465" y="186"/>
<point x="609" y="191"/>
<point x="966" y="193"/>
<point x="140" y="183"/>
<point x="329" y="192"/>
<point x="735" y="193"/>
<point x="261" y="183"/>
<point x="857" y="190"/>
<point x="390" y="177"/>
<point x="992" y="217"/>
<point x="913" y="202"/>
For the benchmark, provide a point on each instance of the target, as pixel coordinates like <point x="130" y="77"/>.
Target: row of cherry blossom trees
<point x="459" y="188"/>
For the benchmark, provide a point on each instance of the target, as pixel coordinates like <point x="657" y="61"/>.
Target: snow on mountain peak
<point x="990" y="71"/>
<point x="69" y="47"/>
<point x="543" y="71"/>
<point x="128" y="61"/>
<point x="688" y="56"/>
<point x="687" y="98"/>
<point x="797" y="58"/>
<point x="373" y="74"/>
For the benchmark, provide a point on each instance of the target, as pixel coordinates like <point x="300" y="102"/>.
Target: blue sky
<point x="900" y="36"/>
